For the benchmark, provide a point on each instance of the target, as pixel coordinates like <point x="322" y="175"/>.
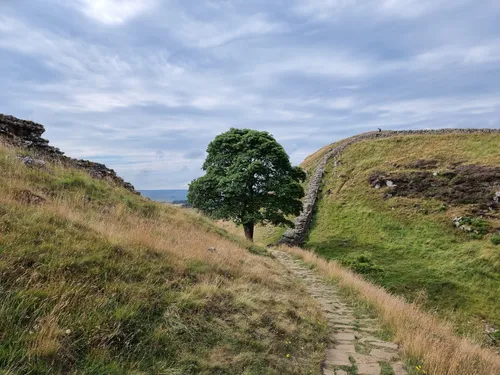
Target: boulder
<point x="32" y="162"/>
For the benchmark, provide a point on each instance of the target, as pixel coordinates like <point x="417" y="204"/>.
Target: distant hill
<point x="420" y="215"/>
<point x="172" y="195"/>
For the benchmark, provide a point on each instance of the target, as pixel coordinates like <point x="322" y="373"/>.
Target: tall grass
<point x="421" y="335"/>
<point x="96" y="280"/>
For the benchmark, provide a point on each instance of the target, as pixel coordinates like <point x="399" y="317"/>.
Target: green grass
<point x="410" y="246"/>
<point x="495" y="239"/>
<point x="97" y="280"/>
<point x="386" y="369"/>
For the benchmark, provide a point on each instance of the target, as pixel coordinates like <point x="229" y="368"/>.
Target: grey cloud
<point x="196" y="154"/>
<point x="145" y="87"/>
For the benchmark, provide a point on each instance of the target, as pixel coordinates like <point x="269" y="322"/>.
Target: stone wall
<point x="296" y="236"/>
<point x="28" y="135"/>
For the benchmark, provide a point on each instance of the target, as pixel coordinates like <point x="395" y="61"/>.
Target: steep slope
<point x="95" y="279"/>
<point x="419" y="215"/>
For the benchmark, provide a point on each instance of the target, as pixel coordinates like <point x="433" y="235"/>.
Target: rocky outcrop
<point x="28" y="135"/>
<point x="470" y="184"/>
<point x="296" y="236"/>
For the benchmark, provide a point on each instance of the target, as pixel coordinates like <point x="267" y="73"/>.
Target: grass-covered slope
<point x="403" y="237"/>
<point x="97" y="280"/>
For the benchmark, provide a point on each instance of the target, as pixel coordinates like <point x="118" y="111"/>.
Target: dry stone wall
<point x="28" y="135"/>
<point x="296" y="236"/>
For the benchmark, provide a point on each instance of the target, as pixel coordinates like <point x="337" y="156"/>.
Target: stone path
<point x="353" y="349"/>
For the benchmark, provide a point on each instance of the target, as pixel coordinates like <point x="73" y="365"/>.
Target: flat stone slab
<point x="341" y="372"/>
<point x="368" y="338"/>
<point x="346" y="348"/>
<point x="337" y="358"/>
<point x="341" y="320"/>
<point x="367" y="329"/>
<point x="344" y="336"/>
<point x="383" y="355"/>
<point x="383" y="344"/>
<point x="345" y="311"/>
<point x="399" y="369"/>
<point x="363" y="358"/>
<point x="329" y="310"/>
<point x="368" y="322"/>
<point x="369" y="369"/>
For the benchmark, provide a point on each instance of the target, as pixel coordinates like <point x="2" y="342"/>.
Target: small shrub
<point x="478" y="227"/>
<point x="495" y="336"/>
<point x="495" y="239"/>
<point x="443" y="208"/>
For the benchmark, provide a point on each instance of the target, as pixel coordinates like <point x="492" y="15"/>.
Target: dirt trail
<point x="353" y="349"/>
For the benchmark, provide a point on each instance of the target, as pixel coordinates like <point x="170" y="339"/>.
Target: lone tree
<point x="249" y="180"/>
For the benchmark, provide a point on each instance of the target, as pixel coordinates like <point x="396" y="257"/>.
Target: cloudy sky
<point x="144" y="85"/>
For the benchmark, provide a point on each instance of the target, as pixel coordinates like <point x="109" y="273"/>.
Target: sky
<point x="144" y="85"/>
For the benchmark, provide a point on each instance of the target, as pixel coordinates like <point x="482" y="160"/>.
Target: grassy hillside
<point x="403" y="237"/>
<point x="97" y="280"/>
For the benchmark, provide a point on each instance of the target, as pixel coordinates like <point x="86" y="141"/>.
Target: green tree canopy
<point x="249" y="180"/>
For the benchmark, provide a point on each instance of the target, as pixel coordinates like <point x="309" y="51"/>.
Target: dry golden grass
<point x="171" y="230"/>
<point x="421" y="335"/>
<point x="310" y="162"/>
<point x="94" y="279"/>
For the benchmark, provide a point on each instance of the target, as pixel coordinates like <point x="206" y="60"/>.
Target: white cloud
<point x="335" y="9"/>
<point x="482" y="54"/>
<point x="97" y="79"/>
<point x="336" y="64"/>
<point x="448" y="55"/>
<point x="204" y="34"/>
<point x="322" y="9"/>
<point x="407" y="8"/>
<point x="428" y="107"/>
<point x="69" y="56"/>
<point x="114" y="12"/>
<point x="338" y="103"/>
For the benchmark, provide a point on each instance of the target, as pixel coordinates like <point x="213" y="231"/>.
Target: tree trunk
<point x="248" y="228"/>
